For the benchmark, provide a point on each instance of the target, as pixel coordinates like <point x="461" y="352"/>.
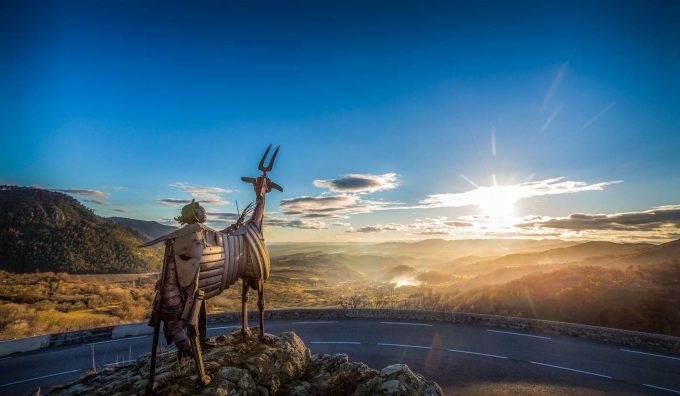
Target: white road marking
<point x="223" y="327"/>
<point x="519" y="334"/>
<point x="477" y="353"/>
<point x="336" y="342"/>
<point x="662" y="388"/>
<point x="404" y="345"/>
<point x="571" y="369"/>
<point x="41" y="377"/>
<point x="407" y="324"/>
<point x="650" y="354"/>
<point x="317" y="322"/>
<point x="117" y="339"/>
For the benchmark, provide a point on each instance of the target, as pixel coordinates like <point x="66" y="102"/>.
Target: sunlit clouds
<point x="659" y="220"/>
<point x="359" y="183"/>
<point x="506" y="195"/>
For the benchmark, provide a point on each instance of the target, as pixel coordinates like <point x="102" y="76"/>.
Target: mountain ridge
<point x="44" y="230"/>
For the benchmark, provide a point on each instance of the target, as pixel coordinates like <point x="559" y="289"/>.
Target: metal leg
<point x="151" y="387"/>
<point x="194" y="338"/>
<point x="156" y="318"/>
<point x="203" y="323"/>
<point x="245" y="330"/>
<point x="260" y="306"/>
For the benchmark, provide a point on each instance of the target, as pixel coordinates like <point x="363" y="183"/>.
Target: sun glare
<point x="497" y="202"/>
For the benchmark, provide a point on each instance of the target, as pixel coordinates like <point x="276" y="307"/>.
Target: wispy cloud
<point x="295" y="223"/>
<point x="121" y="210"/>
<point x="115" y="188"/>
<point x="555" y="85"/>
<point x="96" y="201"/>
<point x="380" y="228"/>
<point x="655" y="218"/>
<point x="205" y="195"/>
<point x="513" y="192"/>
<point x="225" y="216"/>
<point x="598" y="115"/>
<point x="551" y="117"/>
<point x="330" y="206"/>
<point x="77" y="191"/>
<point x="359" y="183"/>
<point x="198" y="190"/>
<point x="173" y="201"/>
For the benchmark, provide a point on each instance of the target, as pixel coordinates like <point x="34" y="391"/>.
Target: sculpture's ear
<point x="248" y="180"/>
<point x="275" y="186"/>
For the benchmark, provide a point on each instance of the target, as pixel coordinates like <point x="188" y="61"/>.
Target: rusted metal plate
<point x="260" y="256"/>
<point x="212" y="272"/>
<point x="188" y="250"/>
<point x="228" y="260"/>
<point x="213" y="265"/>
<point x="213" y="249"/>
<point x="209" y="258"/>
<point x="213" y="292"/>
<point x="202" y="283"/>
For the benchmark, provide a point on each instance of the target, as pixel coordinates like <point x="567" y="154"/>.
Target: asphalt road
<point x="462" y="359"/>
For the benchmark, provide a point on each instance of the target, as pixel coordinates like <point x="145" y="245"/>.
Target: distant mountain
<point x="593" y="253"/>
<point x="143" y="229"/>
<point x="454" y="249"/>
<point x="313" y="268"/>
<point x="43" y="230"/>
<point x="639" y="297"/>
<point x="665" y="253"/>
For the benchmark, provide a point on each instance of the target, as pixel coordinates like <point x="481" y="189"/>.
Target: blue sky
<point x="425" y="103"/>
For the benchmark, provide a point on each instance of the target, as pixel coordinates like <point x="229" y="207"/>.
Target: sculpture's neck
<point x="258" y="214"/>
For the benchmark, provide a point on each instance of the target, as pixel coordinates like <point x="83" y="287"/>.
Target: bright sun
<point x="497" y="202"/>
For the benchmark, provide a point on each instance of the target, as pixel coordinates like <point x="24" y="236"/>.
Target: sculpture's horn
<point x="261" y="166"/>
<point x="271" y="163"/>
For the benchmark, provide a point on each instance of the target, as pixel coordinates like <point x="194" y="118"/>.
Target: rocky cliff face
<point x="283" y="366"/>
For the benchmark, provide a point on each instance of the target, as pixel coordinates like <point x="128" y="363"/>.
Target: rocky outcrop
<point x="282" y="366"/>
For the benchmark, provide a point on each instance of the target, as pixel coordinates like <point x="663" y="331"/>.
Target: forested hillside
<point x="637" y="297"/>
<point x="43" y="230"/>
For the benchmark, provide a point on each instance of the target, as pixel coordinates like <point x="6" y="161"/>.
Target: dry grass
<point x="34" y="304"/>
<point x="42" y="303"/>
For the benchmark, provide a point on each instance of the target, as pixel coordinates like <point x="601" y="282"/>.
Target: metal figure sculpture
<point x="200" y="263"/>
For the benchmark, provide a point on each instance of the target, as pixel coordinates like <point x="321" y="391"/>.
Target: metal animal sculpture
<point x="200" y="263"/>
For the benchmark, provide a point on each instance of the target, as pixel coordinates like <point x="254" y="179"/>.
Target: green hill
<point x="43" y="230"/>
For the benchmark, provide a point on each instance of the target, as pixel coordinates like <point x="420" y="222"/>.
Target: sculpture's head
<point x="263" y="184"/>
<point x="192" y="212"/>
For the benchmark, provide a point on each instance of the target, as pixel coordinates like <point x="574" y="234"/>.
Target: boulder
<point x="282" y="366"/>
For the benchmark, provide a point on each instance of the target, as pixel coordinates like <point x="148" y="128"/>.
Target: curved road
<point x="462" y="359"/>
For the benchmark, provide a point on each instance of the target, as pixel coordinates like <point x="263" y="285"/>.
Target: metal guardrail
<point x="618" y="336"/>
